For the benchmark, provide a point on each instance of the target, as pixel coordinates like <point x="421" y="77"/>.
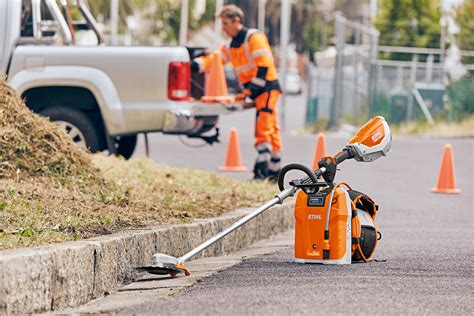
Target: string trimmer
<point x="333" y="224"/>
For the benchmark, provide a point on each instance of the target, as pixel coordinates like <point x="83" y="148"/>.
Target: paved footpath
<point x="425" y="256"/>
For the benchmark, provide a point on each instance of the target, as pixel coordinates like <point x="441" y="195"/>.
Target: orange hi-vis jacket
<point x="251" y="56"/>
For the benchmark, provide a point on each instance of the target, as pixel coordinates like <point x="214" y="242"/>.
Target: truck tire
<point x="82" y="128"/>
<point x="126" y="145"/>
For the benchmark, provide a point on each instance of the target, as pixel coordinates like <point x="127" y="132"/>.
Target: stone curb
<point x="64" y="275"/>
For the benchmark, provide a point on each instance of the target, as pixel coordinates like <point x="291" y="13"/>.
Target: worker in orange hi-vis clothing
<point x="249" y="53"/>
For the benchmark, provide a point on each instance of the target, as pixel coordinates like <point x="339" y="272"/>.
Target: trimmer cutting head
<point x="164" y="264"/>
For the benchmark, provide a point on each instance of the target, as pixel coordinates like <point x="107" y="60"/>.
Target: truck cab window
<point x="37" y="17"/>
<point x="26" y="19"/>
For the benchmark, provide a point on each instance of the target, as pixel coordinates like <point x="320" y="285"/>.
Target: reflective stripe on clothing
<point x="243" y="68"/>
<point x="264" y="152"/>
<point x="261" y="52"/>
<point x="248" y="52"/>
<point x="258" y="82"/>
<point x="275" y="162"/>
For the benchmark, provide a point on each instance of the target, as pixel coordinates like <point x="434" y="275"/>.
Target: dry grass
<point x="50" y="191"/>
<point x="31" y="146"/>
<point x="464" y="128"/>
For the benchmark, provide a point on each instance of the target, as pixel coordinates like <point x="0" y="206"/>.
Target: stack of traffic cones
<point x="216" y="85"/>
<point x="233" y="161"/>
<point x="320" y="150"/>
<point x="446" y="179"/>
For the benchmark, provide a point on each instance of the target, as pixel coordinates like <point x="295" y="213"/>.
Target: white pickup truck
<point x="103" y="97"/>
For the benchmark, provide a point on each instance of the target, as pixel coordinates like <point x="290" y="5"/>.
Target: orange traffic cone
<point x="216" y="86"/>
<point x="446" y="181"/>
<point x="233" y="162"/>
<point x="320" y="150"/>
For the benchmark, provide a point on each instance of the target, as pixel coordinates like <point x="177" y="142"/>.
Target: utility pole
<point x="335" y="114"/>
<point x="284" y="39"/>
<point x="261" y="15"/>
<point x="114" y="16"/>
<point x="442" y="41"/>
<point x="217" y="23"/>
<point x="183" y="25"/>
<point x="373" y="11"/>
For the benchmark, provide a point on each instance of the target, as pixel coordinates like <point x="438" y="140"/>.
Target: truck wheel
<point x="78" y="125"/>
<point x="126" y="145"/>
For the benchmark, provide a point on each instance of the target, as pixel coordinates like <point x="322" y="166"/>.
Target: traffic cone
<point x="320" y="150"/>
<point x="233" y="162"/>
<point x="446" y="181"/>
<point x="216" y="86"/>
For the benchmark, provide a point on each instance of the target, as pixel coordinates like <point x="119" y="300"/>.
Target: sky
<point x="447" y="4"/>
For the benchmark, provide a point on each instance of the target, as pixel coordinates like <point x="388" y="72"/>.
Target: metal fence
<point x="341" y="85"/>
<point x="349" y="83"/>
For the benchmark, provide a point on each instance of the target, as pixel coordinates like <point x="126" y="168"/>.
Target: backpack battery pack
<point x="334" y="226"/>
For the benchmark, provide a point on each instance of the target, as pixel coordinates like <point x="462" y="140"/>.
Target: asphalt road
<point x="424" y="258"/>
<point x="425" y="254"/>
<point x="169" y="149"/>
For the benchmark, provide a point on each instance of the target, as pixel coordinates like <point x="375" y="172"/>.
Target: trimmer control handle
<point x="346" y="153"/>
<point x="312" y="176"/>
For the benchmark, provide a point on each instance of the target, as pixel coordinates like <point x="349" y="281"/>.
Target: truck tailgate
<point x="199" y="108"/>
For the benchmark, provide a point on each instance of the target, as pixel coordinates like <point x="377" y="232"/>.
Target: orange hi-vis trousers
<point x="266" y="124"/>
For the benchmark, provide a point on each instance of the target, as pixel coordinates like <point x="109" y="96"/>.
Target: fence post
<point x="429" y="68"/>
<point x="312" y="96"/>
<point x="335" y="115"/>
<point x="400" y="77"/>
<point x="355" y="83"/>
<point x="372" y="80"/>
<point x="414" y="62"/>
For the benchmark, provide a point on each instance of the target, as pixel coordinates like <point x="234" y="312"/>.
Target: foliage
<point x="309" y="28"/>
<point x="464" y="19"/>
<point x="413" y="23"/>
<point x="382" y="106"/>
<point x="460" y="96"/>
<point x="160" y="18"/>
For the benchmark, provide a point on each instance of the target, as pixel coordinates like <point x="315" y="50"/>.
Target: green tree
<point x="308" y="27"/>
<point x="464" y="15"/>
<point x="163" y="17"/>
<point x="413" y="23"/>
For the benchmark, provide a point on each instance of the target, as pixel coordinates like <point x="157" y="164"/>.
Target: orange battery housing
<point x="310" y="219"/>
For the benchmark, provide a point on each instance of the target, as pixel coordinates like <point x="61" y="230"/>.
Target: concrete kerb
<point x="64" y="275"/>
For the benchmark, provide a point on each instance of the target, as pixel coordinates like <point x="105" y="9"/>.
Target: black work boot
<point x="260" y="169"/>
<point x="274" y="167"/>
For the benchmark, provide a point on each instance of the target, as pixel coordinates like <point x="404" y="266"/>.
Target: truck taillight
<point x="179" y="81"/>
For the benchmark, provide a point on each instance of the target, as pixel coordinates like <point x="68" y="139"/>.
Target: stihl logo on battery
<point x="377" y="136"/>
<point x="314" y="216"/>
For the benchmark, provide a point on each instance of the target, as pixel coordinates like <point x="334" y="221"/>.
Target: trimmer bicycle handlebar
<point x="312" y="176"/>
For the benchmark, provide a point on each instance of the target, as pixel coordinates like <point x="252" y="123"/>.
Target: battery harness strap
<point x="362" y="202"/>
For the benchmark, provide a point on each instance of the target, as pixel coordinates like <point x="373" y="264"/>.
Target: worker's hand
<point x="241" y="97"/>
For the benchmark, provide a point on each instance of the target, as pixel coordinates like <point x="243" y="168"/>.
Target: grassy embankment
<point x="51" y="191"/>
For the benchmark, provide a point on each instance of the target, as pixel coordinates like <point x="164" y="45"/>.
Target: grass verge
<point x="51" y="191"/>
<point x="136" y="193"/>
<point x="463" y="128"/>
